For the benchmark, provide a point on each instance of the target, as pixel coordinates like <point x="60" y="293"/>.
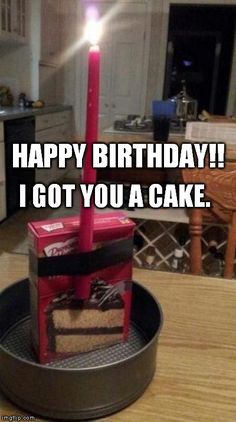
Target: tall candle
<point x="82" y="288"/>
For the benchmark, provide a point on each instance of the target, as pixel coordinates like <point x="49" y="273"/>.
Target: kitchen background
<point x="148" y="48"/>
<point x="41" y="54"/>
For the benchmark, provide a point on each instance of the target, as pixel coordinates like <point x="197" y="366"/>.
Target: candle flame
<point x="93" y="31"/>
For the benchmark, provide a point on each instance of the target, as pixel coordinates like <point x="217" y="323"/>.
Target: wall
<point x="35" y="46"/>
<point x="50" y="73"/>
<point x="15" y="68"/>
<point x="231" y="108"/>
<point x="69" y="48"/>
<point x="69" y="86"/>
<point x="155" y="79"/>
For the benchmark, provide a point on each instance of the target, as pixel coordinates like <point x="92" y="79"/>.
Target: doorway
<point x="124" y="59"/>
<point x="200" y="49"/>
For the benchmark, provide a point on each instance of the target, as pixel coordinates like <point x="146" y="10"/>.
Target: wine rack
<point x="162" y="237"/>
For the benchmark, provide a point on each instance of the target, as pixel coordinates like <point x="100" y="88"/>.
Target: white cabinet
<point x="54" y="119"/>
<point x="14" y="20"/>
<point x="54" y="128"/>
<point x="6" y="17"/>
<point x="3" y="212"/>
<point x="20" y="18"/>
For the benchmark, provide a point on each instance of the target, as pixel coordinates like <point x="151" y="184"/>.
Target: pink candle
<point x="82" y="288"/>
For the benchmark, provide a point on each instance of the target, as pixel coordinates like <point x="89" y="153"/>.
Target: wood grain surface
<point x="195" y="379"/>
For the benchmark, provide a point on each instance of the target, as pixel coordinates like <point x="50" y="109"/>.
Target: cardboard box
<point x="56" y="266"/>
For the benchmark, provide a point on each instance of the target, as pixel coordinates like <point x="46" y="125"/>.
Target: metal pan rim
<point x="82" y="414"/>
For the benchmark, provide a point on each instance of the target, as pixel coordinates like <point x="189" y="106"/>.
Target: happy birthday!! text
<point x="119" y="156"/>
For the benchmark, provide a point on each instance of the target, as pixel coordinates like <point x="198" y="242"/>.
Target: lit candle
<point x="82" y="287"/>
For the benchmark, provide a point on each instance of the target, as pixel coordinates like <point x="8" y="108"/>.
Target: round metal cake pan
<point x="100" y="384"/>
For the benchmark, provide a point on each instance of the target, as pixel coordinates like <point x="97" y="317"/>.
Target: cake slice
<point x="80" y="326"/>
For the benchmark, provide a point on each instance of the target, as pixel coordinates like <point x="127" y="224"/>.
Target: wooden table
<point x="195" y="379"/>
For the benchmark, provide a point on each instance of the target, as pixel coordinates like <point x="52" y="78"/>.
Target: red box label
<point x="57" y="325"/>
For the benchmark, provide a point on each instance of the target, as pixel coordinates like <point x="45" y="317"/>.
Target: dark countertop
<point x="9" y="113"/>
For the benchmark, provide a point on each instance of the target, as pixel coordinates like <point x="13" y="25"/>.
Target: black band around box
<point x="84" y="263"/>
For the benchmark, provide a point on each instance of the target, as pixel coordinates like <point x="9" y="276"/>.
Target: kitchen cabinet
<point x="2" y="176"/>
<point x="14" y="20"/>
<point x="50" y="31"/>
<point x="54" y="128"/>
<point x="53" y="119"/>
<point x="20" y="18"/>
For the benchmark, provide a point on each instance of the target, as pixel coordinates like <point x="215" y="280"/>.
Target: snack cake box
<point x="56" y="265"/>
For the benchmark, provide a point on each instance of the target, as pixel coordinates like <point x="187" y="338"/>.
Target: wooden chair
<point x="220" y="189"/>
